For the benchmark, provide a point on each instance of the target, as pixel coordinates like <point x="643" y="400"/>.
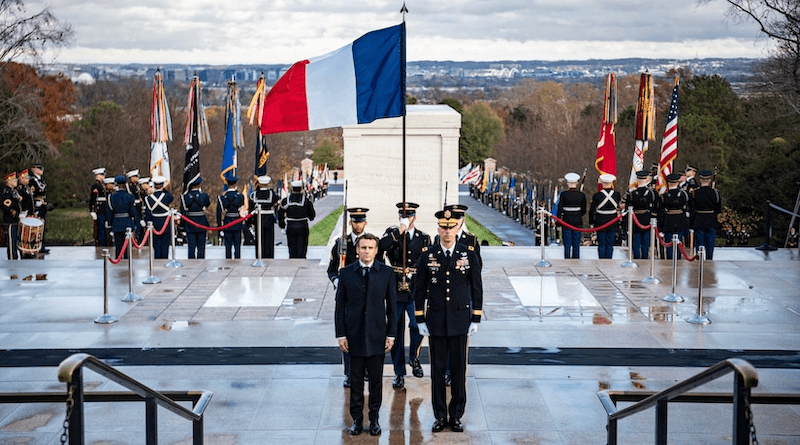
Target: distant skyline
<point x="285" y="31"/>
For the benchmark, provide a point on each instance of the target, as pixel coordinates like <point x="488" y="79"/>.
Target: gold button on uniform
<point x="448" y="298"/>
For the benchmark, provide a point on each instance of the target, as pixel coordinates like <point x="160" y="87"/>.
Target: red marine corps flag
<point x="669" y="145"/>
<point x="606" y="160"/>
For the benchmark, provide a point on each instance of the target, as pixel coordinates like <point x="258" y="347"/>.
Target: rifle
<point x="714" y="178"/>
<point x="445" y="195"/>
<point x="583" y="178"/>
<point x="343" y="238"/>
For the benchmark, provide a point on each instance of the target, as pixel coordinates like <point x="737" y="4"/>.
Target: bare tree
<point x="26" y="35"/>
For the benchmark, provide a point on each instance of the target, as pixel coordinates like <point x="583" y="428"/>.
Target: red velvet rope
<point x="144" y="240"/>
<point x="680" y="246"/>
<point x="577" y="229"/>
<point x="661" y="240"/>
<point x="636" y="220"/>
<point x="232" y="223"/>
<point x="121" y="252"/>
<point x="163" y="229"/>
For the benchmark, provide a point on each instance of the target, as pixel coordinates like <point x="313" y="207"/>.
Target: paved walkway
<point x="261" y="338"/>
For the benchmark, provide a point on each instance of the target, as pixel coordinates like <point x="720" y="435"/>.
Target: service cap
<point x="264" y="179"/>
<point x="159" y="179"/>
<point x="705" y="174"/>
<point x="410" y="208"/>
<point x="642" y="174"/>
<point x="448" y="218"/>
<point x="572" y="177"/>
<point x="132" y="173"/>
<point x="673" y="177"/>
<point x="120" y="179"/>
<point x="297" y="184"/>
<point x="23" y="173"/>
<point x="607" y="178"/>
<point x="358" y="214"/>
<point x="12" y="175"/>
<point x="99" y="171"/>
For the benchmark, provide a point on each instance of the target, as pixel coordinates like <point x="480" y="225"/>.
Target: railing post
<point x="629" y="262"/>
<point x="611" y="432"/>
<point x="151" y="279"/>
<point x="661" y="422"/>
<point x="173" y="263"/>
<point x="652" y="277"/>
<point x="542" y="262"/>
<point x="106" y="318"/>
<point x="258" y="262"/>
<point x="131" y="295"/>
<point x="741" y="423"/>
<point x="75" y="418"/>
<point x="197" y="431"/>
<point x="151" y="421"/>
<point x="672" y="296"/>
<point x="699" y="318"/>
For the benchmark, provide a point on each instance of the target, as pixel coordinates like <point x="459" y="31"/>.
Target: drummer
<point x="25" y="193"/>
<point x="11" y="209"/>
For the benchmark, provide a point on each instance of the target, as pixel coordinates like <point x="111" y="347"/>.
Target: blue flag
<point x="228" y="168"/>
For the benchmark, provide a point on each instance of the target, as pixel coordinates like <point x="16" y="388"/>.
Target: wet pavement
<point x="261" y="338"/>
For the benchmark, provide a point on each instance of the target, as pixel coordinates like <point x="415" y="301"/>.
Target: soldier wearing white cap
<point x="571" y="208"/>
<point x="157" y="211"/>
<point x="97" y="206"/>
<point x="603" y="210"/>
<point x="266" y="197"/>
<point x="135" y="189"/>
<point x="294" y="214"/>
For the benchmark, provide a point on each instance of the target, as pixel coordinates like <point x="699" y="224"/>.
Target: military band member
<point x="193" y="206"/>
<point x="643" y="201"/>
<point x="571" y="208"/>
<point x="229" y="206"/>
<point x="448" y="295"/>
<point x="268" y="199"/>
<point x="27" y="205"/>
<point x="294" y="214"/>
<point x="391" y="245"/>
<point x="39" y="189"/>
<point x="11" y="210"/>
<point x="603" y="209"/>
<point x="672" y="217"/>
<point x="97" y="206"/>
<point x="121" y="213"/>
<point x="705" y="204"/>
<point x="157" y="211"/>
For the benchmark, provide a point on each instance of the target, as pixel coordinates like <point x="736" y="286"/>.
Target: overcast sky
<point x="229" y="32"/>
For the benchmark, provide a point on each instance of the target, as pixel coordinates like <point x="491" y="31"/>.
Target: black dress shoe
<point x="374" y="428"/>
<point x="457" y="426"/>
<point x="447" y="380"/>
<point x="416" y="368"/>
<point x="399" y="382"/>
<point x="439" y="425"/>
<point x="346" y="382"/>
<point x="356" y="429"/>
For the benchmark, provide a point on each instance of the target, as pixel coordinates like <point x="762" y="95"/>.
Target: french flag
<point x="356" y="84"/>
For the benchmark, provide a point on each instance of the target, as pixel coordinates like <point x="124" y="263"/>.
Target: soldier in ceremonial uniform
<point x="97" y="207"/>
<point x="267" y="198"/>
<point x="157" y="211"/>
<point x="134" y="188"/>
<point x="193" y="207"/>
<point x="688" y="182"/>
<point x="294" y="214"/>
<point x="11" y="209"/>
<point x="571" y="208"/>
<point x="229" y="206"/>
<point x="121" y="213"/>
<point x="603" y="209"/>
<point x="358" y="221"/>
<point x="448" y="295"/>
<point x="672" y="217"/>
<point x="39" y="189"/>
<point x="27" y="204"/>
<point x="464" y="236"/>
<point x="110" y="185"/>
<point x="643" y="200"/>
<point x="705" y="204"/>
<point x="391" y="244"/>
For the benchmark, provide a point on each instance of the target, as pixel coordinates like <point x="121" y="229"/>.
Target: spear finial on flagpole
<point x="404" y="11"/>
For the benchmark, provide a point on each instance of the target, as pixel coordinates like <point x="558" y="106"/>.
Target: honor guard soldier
<point x="27" y="204"/>
<point x="643" y="201"/>
<point x="138" y="193"/>
<point x="391" y="244"/>
<point x="705" y="204"/>
<point x="229" y="207"/>
<point x="97" y="206"/>
<point x="193" y="207"/>
<point x="689" y="183"/>
<point x="571" y="208"/>
<point x="358" y="221"/>
<point x="464" y="236"/>
<point x="603" y="210"/>
<point x="11" y="211"/>
<point x="121" y="212"/>
<point x="294" y="214"/>
<point x="39" y="189"/>
<point x="672" y="217"/>
<point x="267" y="198"/>
<point x="110" y="185"/>
<point x="157" y="211"/>
<point x="448" y="296"/>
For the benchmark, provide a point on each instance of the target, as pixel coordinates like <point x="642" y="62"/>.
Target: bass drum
<point x="31" y="231"/>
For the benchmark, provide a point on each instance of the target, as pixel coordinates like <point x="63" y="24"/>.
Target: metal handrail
<point x="70" y="372"/>
<point x="746" y="378"/>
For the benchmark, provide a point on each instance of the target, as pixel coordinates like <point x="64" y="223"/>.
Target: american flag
<point x="669" y="144"/>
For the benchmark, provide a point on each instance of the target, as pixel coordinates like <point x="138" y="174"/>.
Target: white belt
<point x="607" y="212"/>
<point x="572" y="209"/>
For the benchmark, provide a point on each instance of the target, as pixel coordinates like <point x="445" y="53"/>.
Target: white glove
<point x="142" y="223"/>
<point x="23" y="214"/>
<point x="335" y="283"/>
<point x="473" y="329"/>
<point x="94" y="216"/>
<point x="404" y="222"/>
<point x="423" y="329"/>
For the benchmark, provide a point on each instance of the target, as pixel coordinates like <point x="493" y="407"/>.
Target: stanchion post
<point x="152" y="279"/>
<point x="629" y="262"/>
<point x="652" y="279"/>
<point x="131" y="295"/>
<point x="699" y="318"/>
<point x="174" y="263"/>
<point x="106" y="318"/>
<point x="672" y="296"/>
<point x="258" y="262"/>
<point x="542" y="262"/>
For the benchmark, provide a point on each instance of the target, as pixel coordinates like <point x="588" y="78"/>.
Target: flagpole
<point x="404" y="284"/>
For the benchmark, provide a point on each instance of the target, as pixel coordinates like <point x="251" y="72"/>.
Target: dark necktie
<point x="447" y="257"/>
